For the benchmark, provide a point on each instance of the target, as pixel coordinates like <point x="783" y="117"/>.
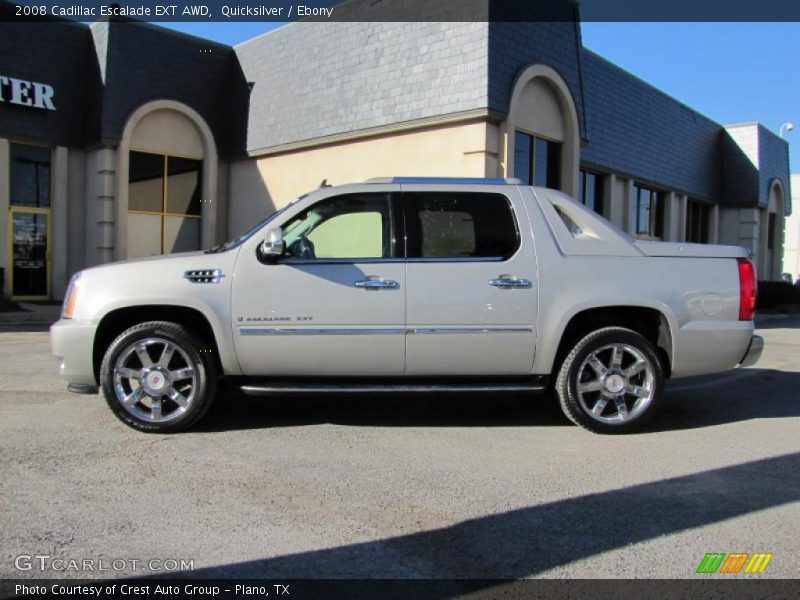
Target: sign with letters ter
<point x="26" y="93"/>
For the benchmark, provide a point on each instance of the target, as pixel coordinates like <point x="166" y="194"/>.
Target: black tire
<point x="191" y="355"/>
<point x="646" y="384"/>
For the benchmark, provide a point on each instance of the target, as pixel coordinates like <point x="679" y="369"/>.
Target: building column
<point x="683" y="207"/>
<point x="749" y="226"/>
<point x="713" y="225"/>
<point x="101" y="241"/>
<point x="672" y="217"/>
<point x="5" y="192"/>
<point x="76" y="211"/>
<point x="627" y="206"/>
<point x="58" y="213"/>
<point x="609" y="185"/>
<point x="619" y="197"/>
<point x="221" y="206"/>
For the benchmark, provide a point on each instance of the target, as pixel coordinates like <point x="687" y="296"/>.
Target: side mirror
<point x="273" y="245"/>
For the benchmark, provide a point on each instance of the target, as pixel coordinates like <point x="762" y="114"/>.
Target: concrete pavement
<point x="467" y="486"/>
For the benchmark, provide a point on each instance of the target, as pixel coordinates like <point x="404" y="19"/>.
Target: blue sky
<point x="731" y="72"/>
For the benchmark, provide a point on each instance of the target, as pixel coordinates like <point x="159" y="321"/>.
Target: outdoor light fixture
<point x="788" y="126"/>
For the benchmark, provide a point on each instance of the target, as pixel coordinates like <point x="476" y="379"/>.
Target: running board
<point x="349" y="388"/>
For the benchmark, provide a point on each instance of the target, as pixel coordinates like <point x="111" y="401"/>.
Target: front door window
<point x="350" y="227"/>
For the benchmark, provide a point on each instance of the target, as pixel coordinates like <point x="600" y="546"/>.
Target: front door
<point x="29" y="252"/>
<point x="470" y="284"/>
<point x="334" y="305"/>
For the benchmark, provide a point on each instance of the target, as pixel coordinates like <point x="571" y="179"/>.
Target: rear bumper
<point x="701" y="347"/>
<point x="753" y="352"/>
<point x="71" y="341"/>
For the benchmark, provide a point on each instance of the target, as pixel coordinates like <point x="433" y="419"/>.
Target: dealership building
<point x="123" y="139"/>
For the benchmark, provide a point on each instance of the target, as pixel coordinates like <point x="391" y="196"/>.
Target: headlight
<point x="71" y="297"/>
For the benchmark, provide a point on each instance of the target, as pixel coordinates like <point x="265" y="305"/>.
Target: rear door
<point x="471" y="291"/>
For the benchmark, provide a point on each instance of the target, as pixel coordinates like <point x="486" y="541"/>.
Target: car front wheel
<point x="158" y="377"/>
<point x="611" y="381"/>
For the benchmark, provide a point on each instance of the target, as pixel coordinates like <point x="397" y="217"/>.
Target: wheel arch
<point x="118" y="320"/>
<point x="649" y="322"/>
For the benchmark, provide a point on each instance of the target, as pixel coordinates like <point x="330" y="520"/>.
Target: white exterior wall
<point x="791" y="248"/>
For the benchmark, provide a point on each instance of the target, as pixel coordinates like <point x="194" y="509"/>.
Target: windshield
<point x="246" y="236"/>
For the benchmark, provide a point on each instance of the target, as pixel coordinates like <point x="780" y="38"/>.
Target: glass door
<point x="28" y="234"/>
<point x="29" y="238"/>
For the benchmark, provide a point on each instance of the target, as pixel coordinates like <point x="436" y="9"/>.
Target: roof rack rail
<point x="448" y="180"/>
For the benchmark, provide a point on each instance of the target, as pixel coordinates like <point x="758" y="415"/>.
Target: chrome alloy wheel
<point x="615" y="384"/>
<point x="154" y="380"/>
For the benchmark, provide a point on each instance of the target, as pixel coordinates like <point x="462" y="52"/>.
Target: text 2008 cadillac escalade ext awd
<point x="412" y="284"/>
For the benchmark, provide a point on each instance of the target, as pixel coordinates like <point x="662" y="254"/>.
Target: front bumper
<point x="71" y="341"/>
<point x="753" y="351"/>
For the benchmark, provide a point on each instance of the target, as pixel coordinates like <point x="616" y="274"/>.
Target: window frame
<point x="706" y="206"/>
<point x="534" y="138"/>
<point x="600" y="182"/>
<point x="11" y="196"/>
<point x="660" y="215"/>
<point x="35" y="209"/>
<point x="396" y="231"/>
<point x="163" y="213"/>
<point x="410" y="206"/>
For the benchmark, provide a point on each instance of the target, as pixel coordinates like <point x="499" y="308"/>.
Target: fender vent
<point x="204" y="276"/>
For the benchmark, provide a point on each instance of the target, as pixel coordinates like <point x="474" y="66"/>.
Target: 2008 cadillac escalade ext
<point x="412" y="284"/>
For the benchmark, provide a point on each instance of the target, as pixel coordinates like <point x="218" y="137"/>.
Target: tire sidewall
<point x="188" y="343"/>
<point x="567" y="382"/>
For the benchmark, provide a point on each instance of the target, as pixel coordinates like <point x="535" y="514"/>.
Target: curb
<point x="778" y="317"/>
<point x="24" y="318"/>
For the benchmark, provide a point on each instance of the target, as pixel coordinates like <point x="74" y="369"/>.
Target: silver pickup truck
<point x="414" y="285"/>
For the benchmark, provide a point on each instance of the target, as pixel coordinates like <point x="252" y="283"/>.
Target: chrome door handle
<point x="509" y="283"/>
<point x="377" y="284"/>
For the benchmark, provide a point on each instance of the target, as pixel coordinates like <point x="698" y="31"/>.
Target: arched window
<point x="167" y="179"/>
<point x="542" y="133"/>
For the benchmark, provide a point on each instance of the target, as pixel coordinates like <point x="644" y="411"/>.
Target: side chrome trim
<point x="427" y="330"/>
<point x="377" y="331"/>
<point x="309" y="331"/>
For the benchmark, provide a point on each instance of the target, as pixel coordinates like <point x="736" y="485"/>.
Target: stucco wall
<point x="259" y="186"/>
<point x="791" y="252"/>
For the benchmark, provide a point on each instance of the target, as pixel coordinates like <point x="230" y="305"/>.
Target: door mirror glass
<point x="273" y="244"/>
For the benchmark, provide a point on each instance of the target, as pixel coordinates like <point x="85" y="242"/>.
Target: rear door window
<point x="459" y="225"/>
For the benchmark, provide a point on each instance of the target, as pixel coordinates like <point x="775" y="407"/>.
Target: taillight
<point x="748" y="290"/>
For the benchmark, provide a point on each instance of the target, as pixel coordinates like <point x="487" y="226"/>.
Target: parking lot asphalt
<point x="426" y="487"/>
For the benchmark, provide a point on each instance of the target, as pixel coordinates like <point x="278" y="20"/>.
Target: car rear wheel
<point x="611" y="381"/>
<point x="159" y="377"/>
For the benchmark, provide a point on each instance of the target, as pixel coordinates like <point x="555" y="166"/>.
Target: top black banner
<point x="403" y="10"/>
